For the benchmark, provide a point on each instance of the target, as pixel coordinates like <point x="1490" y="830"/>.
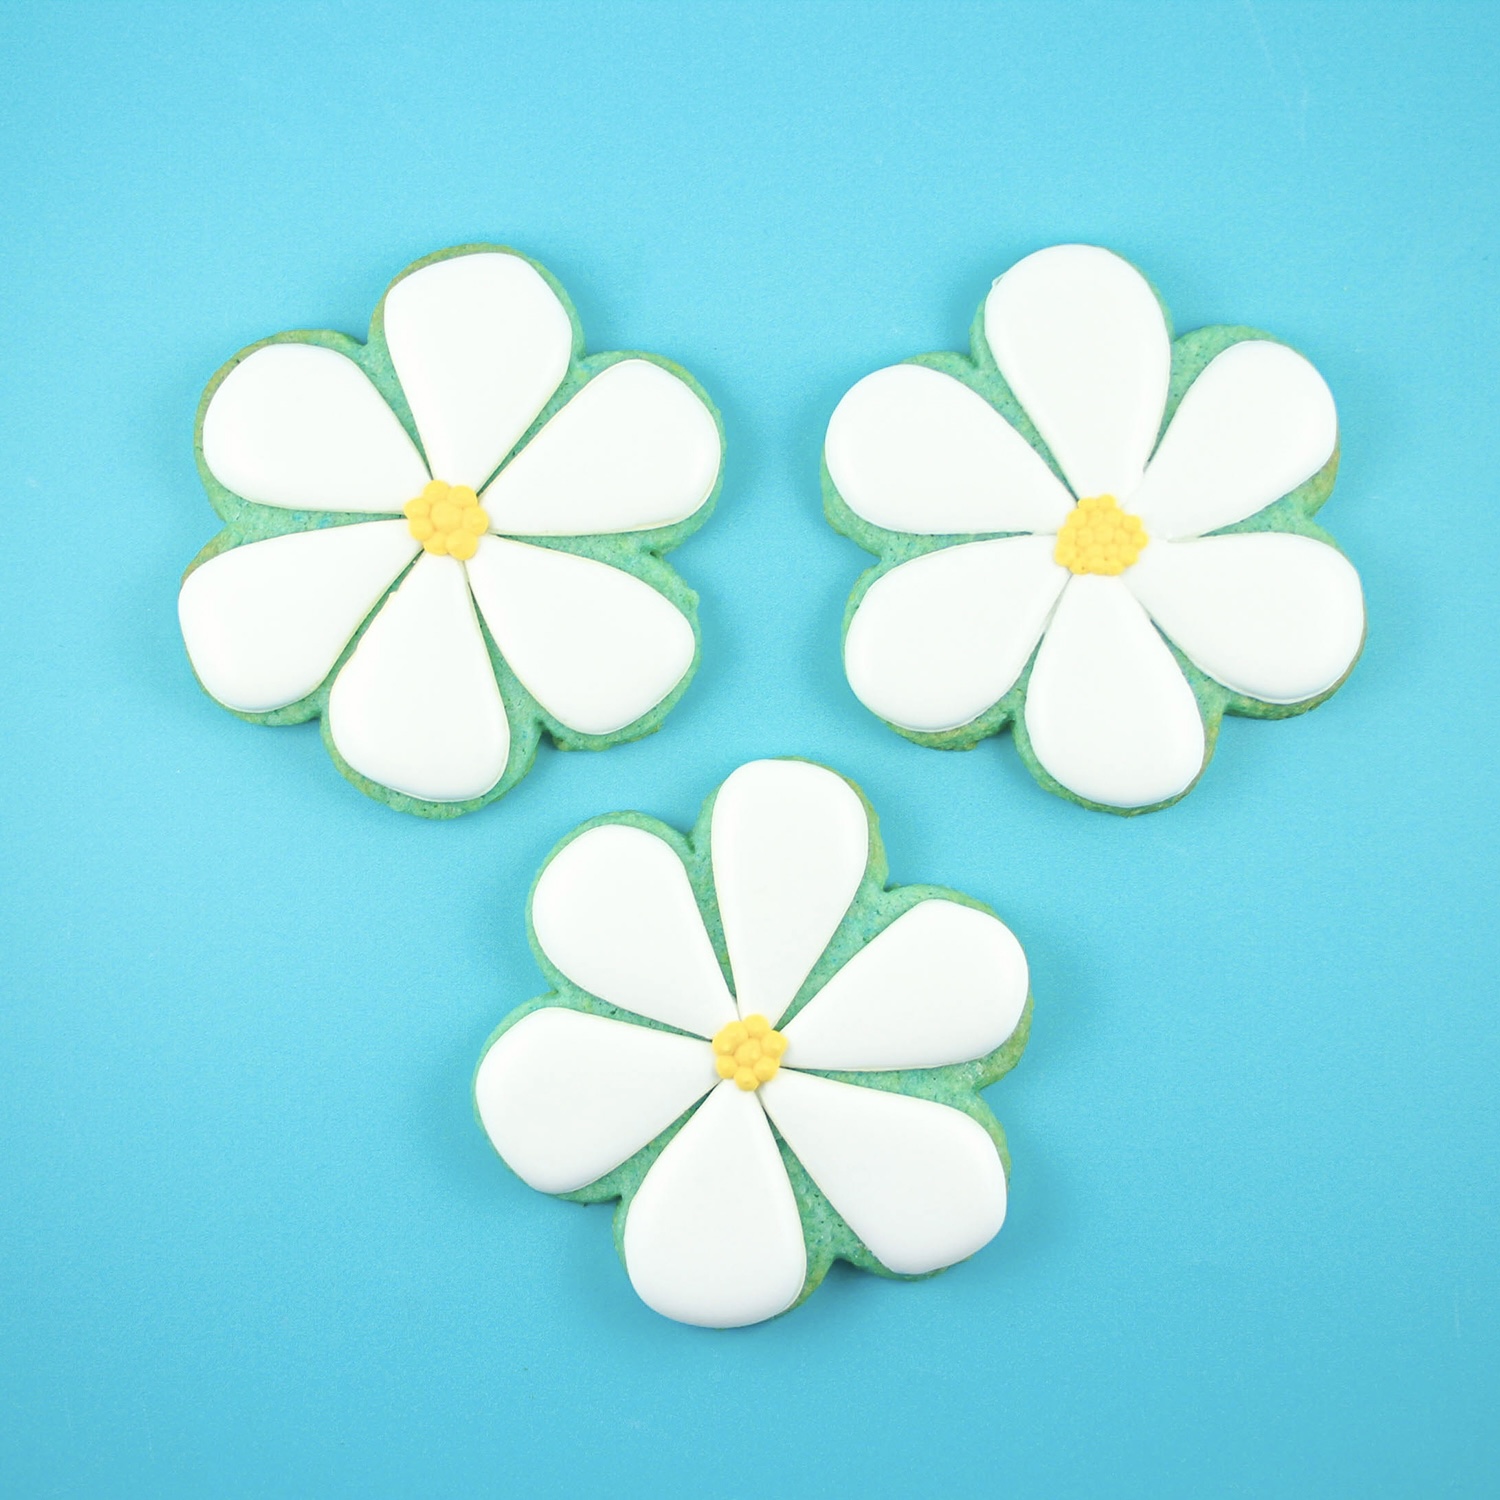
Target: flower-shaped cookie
<point x="767" y="1056"/>
<point x="1092" y="532"/>
<point x="448" y="539"/>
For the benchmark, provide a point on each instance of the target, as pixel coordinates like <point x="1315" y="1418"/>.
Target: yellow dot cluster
<point x="448" y="520"/>
<point x="749" y="1052"/>
<point x="1099" y="537"/>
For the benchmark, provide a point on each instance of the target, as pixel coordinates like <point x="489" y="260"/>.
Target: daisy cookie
<point x="448" y="539"/>
<point x="1092" y="533"/>
<point x="768" y="1057"/>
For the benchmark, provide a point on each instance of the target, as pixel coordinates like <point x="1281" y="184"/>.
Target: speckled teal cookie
<point x="447" y="540"/>
<point x="1092" y="534"/>
<point x="772" y="1060"/>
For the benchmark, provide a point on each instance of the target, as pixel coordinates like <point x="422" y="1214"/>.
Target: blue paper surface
<point x="251" y="1240"/>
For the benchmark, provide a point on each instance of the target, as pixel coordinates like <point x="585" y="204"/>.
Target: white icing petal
<point x="790" y="842"/>
<point x="1080" y="337"/>
<point x="635" y="449"/>
<point x="1272" y="615"/>
<point x="942" y="984"/>
<point x="614" y="910"/>
<point x="912" y="449"/>
<point x="939" y="639"/>
<point x="920" y="1183"/>
<point x="713" y="1235"/>
<point x="1108" y="711"/>
<point x="566" y="1097"/>
<point x="1254" y="425"/>
<point x="301" y="427"/>
<point x="416" y="706"/>
<point x="480" y="342"/>
<point x="264" y="623"/>
<point x="595" y="646"/>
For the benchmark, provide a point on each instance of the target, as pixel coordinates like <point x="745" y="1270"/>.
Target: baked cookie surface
<point x="449" y="539"/>
<point x="771" y="1059"/>
<point x="1092" y="534"/>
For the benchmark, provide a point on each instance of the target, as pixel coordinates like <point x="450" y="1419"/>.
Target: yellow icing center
<point x="448" y="520"/>
<point x="1099" y="537"/>
<point x="749" y="1052"/>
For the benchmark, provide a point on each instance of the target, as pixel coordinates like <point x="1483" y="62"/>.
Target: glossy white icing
<point x="790" y="841"/>
<point x="1080" y="338"/>
<point x="912" y="449"/>
<point x="1273" y="615"/>
<point x="939" y="639"/>
<point x="479" y="342"/>
<point x="301" y="427"/>
<point x="1258" y="422"/>
<point x="416" y="706"/>
<point x="594" y="645"/>
<point x="942" y="984"/>
<point x="1108" y="712"/>
<point x="634" y="450"/>
<point x="567" y="1097"/>
<point x="265" y="623"/>
<point x="615" y="912"/>
<point x="920" y="1183"/>
<point x="713" y="1235"/>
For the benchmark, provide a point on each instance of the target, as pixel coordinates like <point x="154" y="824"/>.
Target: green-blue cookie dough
<point x="772" y="1059"/>
<point x="448" y="539"/>
<point x="1093" y="534"/>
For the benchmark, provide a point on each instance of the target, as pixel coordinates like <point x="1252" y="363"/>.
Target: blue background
<point x="251" y="1241"/>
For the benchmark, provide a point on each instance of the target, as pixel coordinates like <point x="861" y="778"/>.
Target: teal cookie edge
<point x="1293" y="512"/>
<point x="876" y="904"/>
<point x="640" y="553"/>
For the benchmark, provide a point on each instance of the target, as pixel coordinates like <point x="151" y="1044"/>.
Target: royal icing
<point x="544" y="608"/>
<point x="480" y="343"/>
<point x="1079" y="336"/>
<point x="749" y="1052"/>
<point x="461" y="658"/>
<point x="925" y="454"/>
<point x="657" y="1068"/>
<point x="630" y="452"/>
<point x="1049" y="597"/>
<point x="627" y="1084"/>
<point x="921" y="1184"/>
<point x="300" y="427"/>
<point x="791" y="843"/>
<point x="416" y="708"/>
<point x="265" y="621"/>
<point x="713" y="1235"/>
